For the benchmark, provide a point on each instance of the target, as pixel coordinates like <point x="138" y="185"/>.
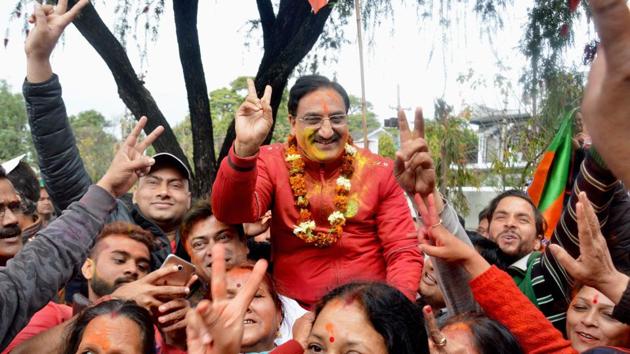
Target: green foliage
<point x="355" y="118"/>
<point x="15" y="137"/>
<point x="386" y="146"/>
<point x="452" y="144"/>
<point x="283" y="128"/>
<point x="95" y="144"/>
<point x="224" y="103"/>
<point x="183" y="133"/>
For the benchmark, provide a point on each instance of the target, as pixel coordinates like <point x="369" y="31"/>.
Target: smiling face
<point x="326" y="142"/>
<point x="513" y="227"/>
<point x="118" y="260"/>
<point x="163" y="196"/>
<point x="590" y="323"/>
<point x="429" y="289"/>
<point x="343" y="327"/>
<point x="10" y="232"/>
<point x="203" y="235"/>
<point x="262" y="319"/>
<point x="109" y="334"/>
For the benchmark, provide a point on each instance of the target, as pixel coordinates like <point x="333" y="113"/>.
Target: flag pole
<point x="357" y="9"/>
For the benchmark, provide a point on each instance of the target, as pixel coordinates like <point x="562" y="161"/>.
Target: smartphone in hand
<point x="185" y="270"/>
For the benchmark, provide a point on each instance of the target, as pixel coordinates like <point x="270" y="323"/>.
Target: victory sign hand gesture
<point x="50" y="22"/>
<point x="129" y="162"/>
<point x="216" y="326"/>
<point x="414" y="167"/>
<point x="253" y="121"/>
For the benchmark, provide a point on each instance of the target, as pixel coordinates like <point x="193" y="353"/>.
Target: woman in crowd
<point x="264" y="313"/>
<point x="367" y="318"/>
<point x="590" y="322"/>
<point x="113" y="326"/>
<point x="474" y="331"/>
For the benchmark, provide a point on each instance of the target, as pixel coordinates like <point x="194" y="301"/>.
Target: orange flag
<point x="317" y="5"/>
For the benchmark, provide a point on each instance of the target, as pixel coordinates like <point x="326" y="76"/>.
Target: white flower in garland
<point x="350" y="150"/>
<point x="293" y="157"/>
<point x="336" y="218"/>
<point x="344" y="183"/>
<point x="306" y="227"/>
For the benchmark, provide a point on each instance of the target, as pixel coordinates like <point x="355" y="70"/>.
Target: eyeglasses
<point x="316" y="121"/>
<point x="15" y="207"/>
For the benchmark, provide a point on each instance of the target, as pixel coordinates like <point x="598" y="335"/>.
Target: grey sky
<point x="408" y="52"/>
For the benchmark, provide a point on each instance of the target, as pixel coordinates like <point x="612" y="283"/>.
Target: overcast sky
<point x="407" y="52"/>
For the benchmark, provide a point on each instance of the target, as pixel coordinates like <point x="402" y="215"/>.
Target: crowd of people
<point x="310" y="246"/>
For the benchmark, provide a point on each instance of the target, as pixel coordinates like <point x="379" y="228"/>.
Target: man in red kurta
<point x="338" y="212"/>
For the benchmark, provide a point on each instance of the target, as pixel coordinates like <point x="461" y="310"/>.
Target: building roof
<point x="485" y="116"/>
<point x="373" y="134"/>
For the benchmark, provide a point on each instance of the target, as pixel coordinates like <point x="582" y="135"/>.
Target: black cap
<point x="166" y="159"/>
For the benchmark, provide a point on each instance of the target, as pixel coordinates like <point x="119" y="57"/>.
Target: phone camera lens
<point x="180" y="267"/>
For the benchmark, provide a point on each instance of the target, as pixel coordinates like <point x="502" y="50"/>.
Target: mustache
<point x="335" y="137"/>
<point x="123" y="280"/>
<point x="10" y="231"/>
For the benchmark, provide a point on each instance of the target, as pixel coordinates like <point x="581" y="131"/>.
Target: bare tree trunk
<point x="288" y="37"/>
<point x="198" y="101"/>
<point x="130" y="89"/>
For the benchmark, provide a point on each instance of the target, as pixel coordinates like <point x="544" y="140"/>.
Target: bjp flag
<point x="551" y="175"/>
<point x="317" y="5"/>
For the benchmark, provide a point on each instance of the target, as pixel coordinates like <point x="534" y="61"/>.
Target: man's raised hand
<point x="129" y="163"/>
<point x="605" y="105"/>
<point x="594" y="267"/>
<point x="49" y="23"/>
<point x="414" y="167"/>
<point x="253" y="121"/>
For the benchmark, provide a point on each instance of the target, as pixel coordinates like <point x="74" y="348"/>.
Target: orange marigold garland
<point x="305" y="228"/>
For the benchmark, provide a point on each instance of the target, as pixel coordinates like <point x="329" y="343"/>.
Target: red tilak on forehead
<point x="331" y="331"/>
<point x="595" y="300"/>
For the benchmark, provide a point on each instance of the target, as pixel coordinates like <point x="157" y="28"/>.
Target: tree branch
<point x="198" y="102"/>
<point x="130" y="89"/>
<point x="267" y="20"/>
<point x="295" y="31"/>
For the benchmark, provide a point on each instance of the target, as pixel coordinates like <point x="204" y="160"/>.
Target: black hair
<point x="490" y="251"/>
<point x="490" y="336"/>
<point x="129" y="309"/>
<point x="202" y="210"/>
<point x="483" y="214"/>
<point x="26" y="184"/>
<point x="398" y="320"/>
<point x="309" y="83"/>
<point x="3" y="173"/>
<point x="541" y="224"/>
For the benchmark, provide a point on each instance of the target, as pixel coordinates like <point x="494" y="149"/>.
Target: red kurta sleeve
<point x="400" y="245"/>
<point x="501" y="299"/>
<point x="290" y="347"/>
<point x="241" y="190"/>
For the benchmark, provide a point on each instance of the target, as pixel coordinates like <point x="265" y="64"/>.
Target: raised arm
<point x="594" y="267"/>
<point x="415" y="173"/>
<point x="595" y="179"/>
<point x="605" y="106"/>
<point x="59" y="160"/>
<point x="242" y="190"/>
<point x="45" y="264"/>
